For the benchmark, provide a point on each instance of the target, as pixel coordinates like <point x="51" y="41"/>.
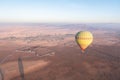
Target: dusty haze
<point x="49" y="52"/>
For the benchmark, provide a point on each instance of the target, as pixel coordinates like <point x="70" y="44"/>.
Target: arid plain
<point x="49" y="52"/>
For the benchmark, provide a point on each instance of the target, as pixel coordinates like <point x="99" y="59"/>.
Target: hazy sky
<point x="60" y="11"/>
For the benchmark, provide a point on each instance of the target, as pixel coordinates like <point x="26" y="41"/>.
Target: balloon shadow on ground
<point x="1" y="75"/>
<point x="21" y="68"/>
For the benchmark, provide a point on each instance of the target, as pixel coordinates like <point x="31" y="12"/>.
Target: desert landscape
<point x="49" y="52"/>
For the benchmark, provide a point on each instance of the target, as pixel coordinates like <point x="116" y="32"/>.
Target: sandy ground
<point x="11" y="69"/>
<point x="51" y="53"/>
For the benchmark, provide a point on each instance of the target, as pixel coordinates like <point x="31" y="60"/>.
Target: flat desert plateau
<point x="49" y="52"/>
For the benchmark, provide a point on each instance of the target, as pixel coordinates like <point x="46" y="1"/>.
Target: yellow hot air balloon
<point x="84" y="39"/>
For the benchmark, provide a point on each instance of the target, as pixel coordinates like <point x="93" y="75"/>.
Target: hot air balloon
<point x="84" y="39"/>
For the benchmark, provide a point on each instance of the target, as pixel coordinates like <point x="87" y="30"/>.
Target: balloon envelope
<point x="84" y="39"/>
